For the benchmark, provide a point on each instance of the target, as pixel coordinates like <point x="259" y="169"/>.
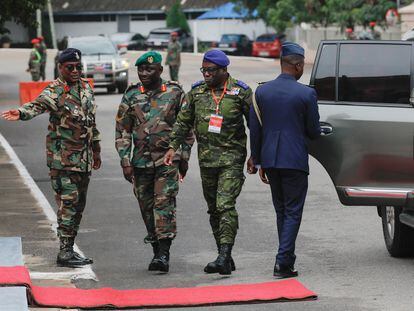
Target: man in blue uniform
<point x="283" y="119"/>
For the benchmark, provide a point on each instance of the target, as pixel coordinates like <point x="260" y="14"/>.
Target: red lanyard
<point x="217" y="101"/>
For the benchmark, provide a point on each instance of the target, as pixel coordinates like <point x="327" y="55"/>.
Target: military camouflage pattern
<point x="43" y="53"/>
<point x="72" y="127"/>
<point x="174" y="72"/>
<point x="70" y="193"/>
<point x="173" y="54"/>
<point x="145" y="120"/>
<point x="215" y="150"/>
<point x="221" y="187"/>
<point x="35" y="59"/>
<point x="156" y="189"/>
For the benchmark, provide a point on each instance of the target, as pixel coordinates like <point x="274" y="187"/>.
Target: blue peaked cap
<point x="216" y="57"/>
<point x="70" y="55"/>
<point x="290" y="48"/>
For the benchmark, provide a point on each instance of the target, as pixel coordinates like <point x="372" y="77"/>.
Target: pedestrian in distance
<point x="214" y="109"/>
<point x="43" y="52"/>
<point x="174" y="56"/>
<point x="144" y="122"/>
<point x="35" y="60"/>
<point x="284" y="117"/>
<point x="72" y="147"/>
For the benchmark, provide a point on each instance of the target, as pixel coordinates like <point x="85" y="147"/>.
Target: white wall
<point x="18" y="33"/>
<point x="144" y="27"/>
<point x="212" y="29"/>
<point x="85" y="29"/>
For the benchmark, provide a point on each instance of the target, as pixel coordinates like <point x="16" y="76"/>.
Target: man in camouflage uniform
<point x="35" y="59"/>
<point x="145" y="118"/>
<point x="174" y="56"/>
<point x="72" y="147"/>
<point x="43" y="53"/>
<point x="215" y="108"/>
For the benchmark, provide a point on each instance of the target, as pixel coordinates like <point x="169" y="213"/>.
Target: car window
<point x="326" y="72"/>
<point x="137" y="37"/>
<point x="94" y="46"/>
<point x="120" y="37"/>
<point x="230" y="38"/>
<point x="155" y="35"/>
<point x="374" y="73"/>
<point x="266" y="38"/>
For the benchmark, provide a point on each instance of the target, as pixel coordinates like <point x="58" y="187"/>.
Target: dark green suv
<point x="367" y="117"/>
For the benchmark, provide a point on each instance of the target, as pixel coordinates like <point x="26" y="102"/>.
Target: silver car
<point x="367" y="116"/>
<point x="102" y="62"/>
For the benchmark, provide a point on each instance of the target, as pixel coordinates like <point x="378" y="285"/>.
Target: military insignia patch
<point x="77" y="55"/>
<point x="150" y="59"/>
<point x="233" y="91"/>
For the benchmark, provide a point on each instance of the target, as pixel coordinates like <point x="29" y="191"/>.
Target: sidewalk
<point x="21" y="214"/>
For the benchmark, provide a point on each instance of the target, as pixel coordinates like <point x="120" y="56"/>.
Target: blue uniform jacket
<point x="290" y="118"/>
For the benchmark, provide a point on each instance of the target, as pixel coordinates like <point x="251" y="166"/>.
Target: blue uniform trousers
<point x="289" y="188"/>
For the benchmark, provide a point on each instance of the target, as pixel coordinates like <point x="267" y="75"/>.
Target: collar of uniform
<point x="287" y="76"/>
<point x="161" y="89"/>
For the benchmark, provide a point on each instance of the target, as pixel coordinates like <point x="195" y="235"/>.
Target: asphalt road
<point x="340" y="250"/>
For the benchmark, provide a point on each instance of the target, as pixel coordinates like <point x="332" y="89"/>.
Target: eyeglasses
<point x="209" y="69"/>
<point x="78" y="67"/>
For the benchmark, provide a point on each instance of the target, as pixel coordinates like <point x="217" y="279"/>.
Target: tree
<point x="19" y="11"/>
<point x="176" y="17"/>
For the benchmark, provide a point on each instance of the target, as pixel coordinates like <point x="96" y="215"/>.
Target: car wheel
<point x="111" y="89"/>
<point x="399" y="238"/>
<point x="122" y="88"/>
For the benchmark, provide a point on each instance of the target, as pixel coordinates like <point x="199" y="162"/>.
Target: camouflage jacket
<point x="72" y="128"/>
<point x="173" y="54"/>
<point x="215" y="150"/>
<point x="145" y="119"/>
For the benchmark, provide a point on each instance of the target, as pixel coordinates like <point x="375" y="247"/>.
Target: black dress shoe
<point x="283" y="272"/>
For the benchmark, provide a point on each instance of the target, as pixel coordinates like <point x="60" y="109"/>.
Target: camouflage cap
<point x="150" y="57"/>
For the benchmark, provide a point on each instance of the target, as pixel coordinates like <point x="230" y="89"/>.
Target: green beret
<point x="150" y="57"/>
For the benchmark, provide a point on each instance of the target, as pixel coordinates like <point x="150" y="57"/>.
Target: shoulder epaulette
<point x="131" y="86"/>
<point x="198" y="83"/>
<point x="176" y="83"/>
<point x="242" y="84"/>
<point x="261" y="83"/>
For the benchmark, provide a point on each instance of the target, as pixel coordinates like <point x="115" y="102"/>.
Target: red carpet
<point x="290" y="289"/>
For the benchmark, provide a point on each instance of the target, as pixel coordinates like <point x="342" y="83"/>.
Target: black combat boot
<point x="212" y="266"/>
<point x="67" y="257"/>
<point x="161" y="260"/>
<point x="155" y="248"/>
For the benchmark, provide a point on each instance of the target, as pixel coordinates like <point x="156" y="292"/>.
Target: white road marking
<point x="78" y="273"/>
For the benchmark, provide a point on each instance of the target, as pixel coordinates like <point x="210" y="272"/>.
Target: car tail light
<point x="234" y="44"/>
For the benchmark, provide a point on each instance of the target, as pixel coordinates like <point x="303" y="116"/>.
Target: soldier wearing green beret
<point x="144" y="122"/>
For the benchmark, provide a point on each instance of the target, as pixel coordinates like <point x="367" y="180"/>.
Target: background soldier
<point x="72" y="147"/>
<point x="43" y="52"/>
<point x="35" y="60"/>
<point x="174" y="56"/>
<point x="289" y="114"/>
<point x="145" y="118"/>
<point x="215" y="108"/>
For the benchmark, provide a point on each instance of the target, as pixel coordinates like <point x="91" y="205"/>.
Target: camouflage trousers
<point x="221" y="187"/>
<point x="43" y="71"/>
<point x="156" y="189"/>
<point x="70" y="193"/>
<point x="174" y="72"/>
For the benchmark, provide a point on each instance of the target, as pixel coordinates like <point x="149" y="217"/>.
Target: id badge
<point x="215" y="123"/>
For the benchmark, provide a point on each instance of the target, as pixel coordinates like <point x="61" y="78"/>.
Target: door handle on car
<point x="326" y="128"/>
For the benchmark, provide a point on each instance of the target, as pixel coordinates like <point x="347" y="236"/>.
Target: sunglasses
<point x="209" y="69"/>
<point x="78" y="67"/>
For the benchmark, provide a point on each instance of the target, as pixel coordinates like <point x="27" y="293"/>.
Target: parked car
<point x="235" y="44"/>
<point x="102" y="62"/>
<point x="268" y="45"/>
<point x="128" y="40"/>
<point x="365" y="97"/>
<point x="160" y="37"/>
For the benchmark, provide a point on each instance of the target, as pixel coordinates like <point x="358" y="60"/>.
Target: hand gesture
<point x="96" y="160"/>
<point x="263" y="176"/>
<point x="169" y="156"/>
<point x="11" y="115"/>
<point x="251" y="168"/>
